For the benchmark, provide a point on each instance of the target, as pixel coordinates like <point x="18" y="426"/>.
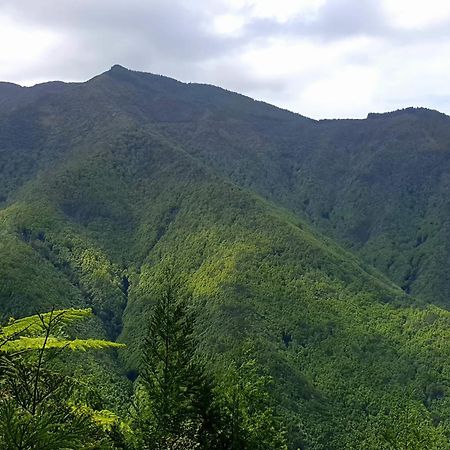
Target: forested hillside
<point x="315" y="250"/>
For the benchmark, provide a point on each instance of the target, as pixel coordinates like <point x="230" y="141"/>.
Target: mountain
<point x="378" y="186"/>
<point x="317" y="247"/>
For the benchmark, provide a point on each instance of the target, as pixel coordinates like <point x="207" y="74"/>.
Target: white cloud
<point x="228" y="24"/>
<point x="283" y="10"/>
<point x="280" y="10"/>
<point x="314" y="77"/>
<point x="415" y="75"/>
<point x="21" y="48"/>
<point x="345" y="92"/>
<point x="417" y="14"/>
<point x="323" y="58"/>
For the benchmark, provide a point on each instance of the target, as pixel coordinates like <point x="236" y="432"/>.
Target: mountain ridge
<point x="318" y="247"/>
<point x="118" y="69"/>
<point x="288" y="152"/>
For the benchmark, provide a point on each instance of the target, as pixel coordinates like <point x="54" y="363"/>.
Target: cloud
<point x="339" y="58"/>
<point x="334" y="19"/>
<point x="93" y="35"/>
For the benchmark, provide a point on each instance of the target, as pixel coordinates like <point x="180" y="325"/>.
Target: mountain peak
<point x="409" y="111"/>
<point x="118" y="68"/>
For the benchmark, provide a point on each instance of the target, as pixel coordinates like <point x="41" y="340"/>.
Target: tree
<point x="174" y="398"/>
<point x="251" y="423"/>
<point x="37" y="406"/>
<point x="179" y="405"/>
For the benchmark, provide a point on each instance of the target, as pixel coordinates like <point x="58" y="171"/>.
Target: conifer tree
<point x="179" y="405"/>
<point x="175" y="401"/>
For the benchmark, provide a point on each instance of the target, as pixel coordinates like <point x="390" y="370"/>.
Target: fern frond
<point x="25" y="343"/>
<point x="36" y="324"/>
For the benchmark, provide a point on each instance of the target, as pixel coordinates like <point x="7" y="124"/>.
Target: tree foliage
<point x="180" y="404"/>
<point x="175" y="403"/>
<point x="38" y="407"/>
<point x="100" y="180"/>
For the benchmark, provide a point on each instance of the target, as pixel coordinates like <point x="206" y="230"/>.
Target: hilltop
<point x="320" y="247"/>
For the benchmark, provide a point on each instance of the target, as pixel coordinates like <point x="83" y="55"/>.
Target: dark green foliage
<point x="378" y="186"/>
<point x="175" y="394"/>
<point x="178" y="404"/>
<point x="52" y="427"/>
<point x="102" y="181"/>
<point x="249" y="421"/>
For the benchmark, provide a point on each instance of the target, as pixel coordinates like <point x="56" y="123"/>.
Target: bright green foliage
<point x="37" y="324"/>
<point x="402" y="426"/>
<point x="21" y="335"/>
<point x="38" y="407"/>
<point x="101" y="181"/>
<point x="30" y="343"/>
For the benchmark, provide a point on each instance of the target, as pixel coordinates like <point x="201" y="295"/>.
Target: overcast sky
<point x="321" y="58"/>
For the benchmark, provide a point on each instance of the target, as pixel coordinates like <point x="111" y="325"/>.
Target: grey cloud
<point x="347" y="17"/>
<point x="342" y="19"/>
<point x="176" y="38"/>
<point x="150" y="35"/>
<point x="335" y="19"/>
<point x="160" y="35"/>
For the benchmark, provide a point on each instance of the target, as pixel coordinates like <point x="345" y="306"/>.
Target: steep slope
<point x="103" y="181"/>
<point x="346" y="350"/>
<point x="379" y="185"/>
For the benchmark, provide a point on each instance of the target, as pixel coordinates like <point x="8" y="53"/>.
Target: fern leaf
<point x="35" y="324"/>
<point x="25" y="343"/>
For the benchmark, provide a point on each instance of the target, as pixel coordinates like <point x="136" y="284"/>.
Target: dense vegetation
<point x="284" y="331"/>
<point x="176" y="405"/>
<point x="41" y="407"/>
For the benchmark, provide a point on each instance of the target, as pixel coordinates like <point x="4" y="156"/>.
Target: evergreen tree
<point x="180" y="406"/>
<point x="174" y="400"/>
